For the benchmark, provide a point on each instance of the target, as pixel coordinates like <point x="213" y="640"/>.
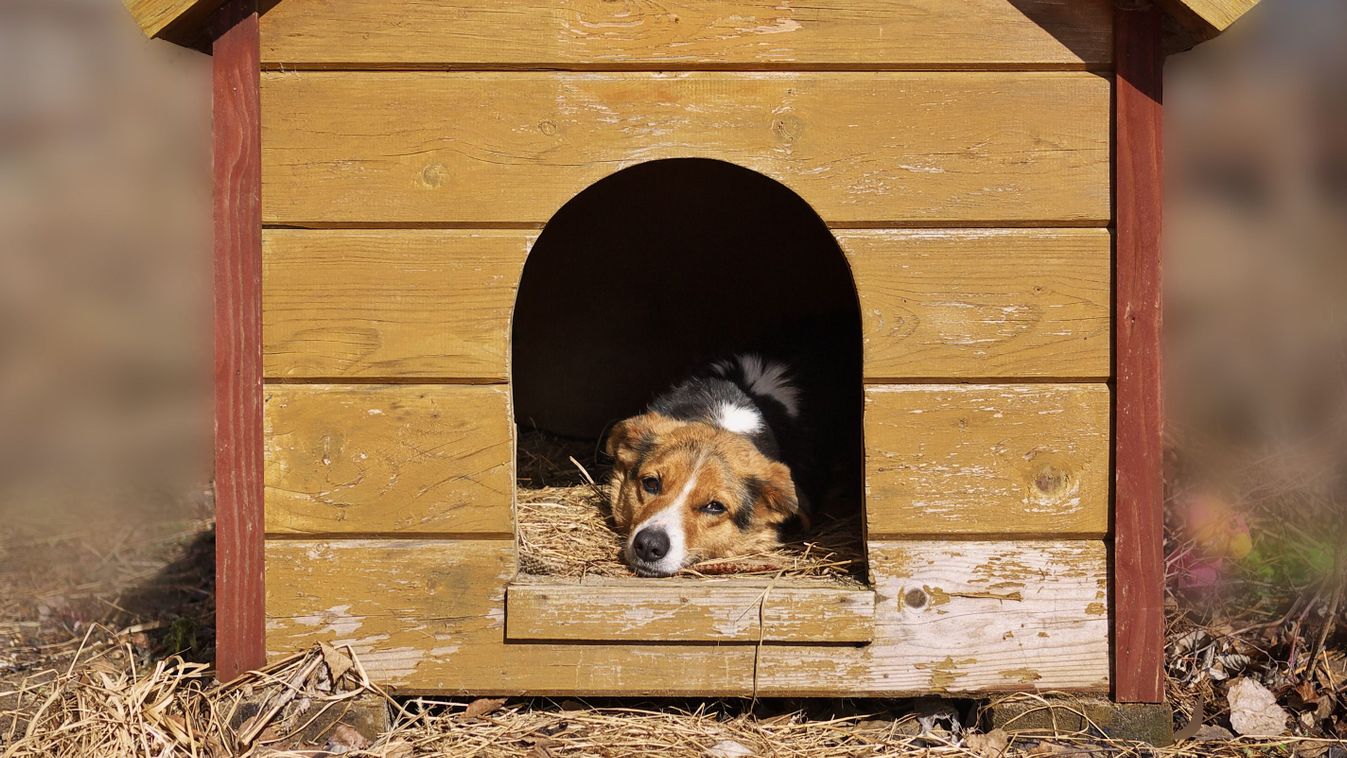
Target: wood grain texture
<point x="678" y="610"/>
<point x="870" y="149"/>
<point x="238" y="345"/>
<point x="1138" y="558"/>
<point x="153" y="16"/>
<point x="936" y="303"/>
<point x="996" y="459"/>
<point x="389" y="303"/>
<point x="983" y="303"/>
<point x="883" y="34"/>
<point x="1208" y="17"/>
<point x="405" y="459"/>
<point x="950" y="617"/>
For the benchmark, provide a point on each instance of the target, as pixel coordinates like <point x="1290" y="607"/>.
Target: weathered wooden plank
<point x="689" y="611"/>
<point x="994" y="459"/>
<point x="1139" y="565"/>
<point x="389" y="303"/>
<point x="238" y="342"/>
<point x="746" y="33"/>
<point x="1208" y="17"/>
<point x="153" y="16"/>
<point x="873" y="149"/>
<point x="937" y="303"/>
<point x="983" y="303"/>
<point x="958" y="617"/>
<point x="431" y="459"/>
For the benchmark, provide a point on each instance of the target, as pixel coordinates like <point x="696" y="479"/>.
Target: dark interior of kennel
<point x="664" y="266"/>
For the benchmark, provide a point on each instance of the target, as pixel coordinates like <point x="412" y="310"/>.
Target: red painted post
<point x="1138" y="540"/>
<point x="239" y="614"/>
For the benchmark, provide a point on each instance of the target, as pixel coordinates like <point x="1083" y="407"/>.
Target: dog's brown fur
<point x="758" y="493"/>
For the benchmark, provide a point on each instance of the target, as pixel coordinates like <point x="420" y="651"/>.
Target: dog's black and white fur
<point x="755" y="397"/>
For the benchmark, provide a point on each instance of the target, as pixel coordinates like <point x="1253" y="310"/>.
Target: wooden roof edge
<point x="183" y="21"/>
<point x="1207" y="18"/>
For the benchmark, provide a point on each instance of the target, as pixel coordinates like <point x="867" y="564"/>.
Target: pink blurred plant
<point x="1214" y="535"/>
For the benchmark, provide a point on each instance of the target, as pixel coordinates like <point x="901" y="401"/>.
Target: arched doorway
<point x="663" y="267"/>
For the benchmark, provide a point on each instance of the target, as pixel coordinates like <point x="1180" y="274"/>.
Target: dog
<point x="713" y="467"/>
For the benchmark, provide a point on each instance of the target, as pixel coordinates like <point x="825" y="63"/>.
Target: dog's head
<point x="684" y="492"/>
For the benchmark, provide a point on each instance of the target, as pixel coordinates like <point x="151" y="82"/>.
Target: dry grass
<point x="566" y="530"/>
<point x="320" y="703"/>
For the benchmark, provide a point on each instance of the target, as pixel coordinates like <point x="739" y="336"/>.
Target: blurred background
<point x="105" y="413"/>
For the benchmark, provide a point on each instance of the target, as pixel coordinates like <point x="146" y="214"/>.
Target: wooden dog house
<point x="990" y="169"/>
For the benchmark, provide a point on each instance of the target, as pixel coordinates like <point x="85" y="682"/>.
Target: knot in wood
<point x="915" y="598"/>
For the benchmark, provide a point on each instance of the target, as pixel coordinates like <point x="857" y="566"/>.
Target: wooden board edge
<point x="237" y="151"/>
<point x="843" y="615"/>
<point x="1138" y="546"/>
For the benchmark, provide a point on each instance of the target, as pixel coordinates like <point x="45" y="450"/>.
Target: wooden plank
<point x="868" y="149"/>
<point x="389" y="303"/>
<point x="688" y="611"/>
<point x="1208" y="17"/>
<point x="936" y="303"/>
<point x="984" y="303"/>
<point x="884" y="34"/>
<point x="1027" y="459"/>
<point x="403" y="459"/>
<point x="1138" y="556"/>
<point x="238" y="343"/>
<point x="153" y="16"/>
<point x="955" y="617"/>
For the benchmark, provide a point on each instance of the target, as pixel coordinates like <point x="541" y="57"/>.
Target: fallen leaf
<point x="1254" y="709"/>
<point x="728" y="749"/>
<point x="481" y="707"/>
<point x="1213" y="733"/>
<point x="993" y="744"/>
<point x="338" y="663"/>
<point x="397" y="749"/>
<point x="344" y="739"/>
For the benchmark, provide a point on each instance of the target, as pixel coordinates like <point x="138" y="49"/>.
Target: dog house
<point x="985" y="176"/>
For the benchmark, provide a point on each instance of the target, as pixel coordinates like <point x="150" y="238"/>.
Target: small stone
<point x="1254" y="709"/>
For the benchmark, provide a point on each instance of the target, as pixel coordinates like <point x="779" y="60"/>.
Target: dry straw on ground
<point x="318" y="703"/>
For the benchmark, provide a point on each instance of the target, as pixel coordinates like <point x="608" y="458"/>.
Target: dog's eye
<point x="714" y="508"/>
<point x="650" y="484"/>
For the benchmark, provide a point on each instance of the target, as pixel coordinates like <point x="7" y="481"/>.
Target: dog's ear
<point x="777" y="496"/>
<point x="632" y="439"/>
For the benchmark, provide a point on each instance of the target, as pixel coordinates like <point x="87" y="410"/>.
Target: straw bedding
<point x="565" y="527"/>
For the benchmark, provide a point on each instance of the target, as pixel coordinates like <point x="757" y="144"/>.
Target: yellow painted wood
<point x="873" y="149"/>
<point x="945" y="303"/>
<point x="681" y="610"/>
<point x="389" y="303"/>
<point x="951" y="617"/>
<point x="377" y="459"/>
<point x="687" y="33"/>
<point x="1027" y="459"/>
<point x="1210" y="17"/>
<point x="984" y="303"/>
<point x="154" y="16"/>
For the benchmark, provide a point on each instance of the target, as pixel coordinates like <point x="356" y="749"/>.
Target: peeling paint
<point x="1021" y="675"/>
<point x="946" y="672"/>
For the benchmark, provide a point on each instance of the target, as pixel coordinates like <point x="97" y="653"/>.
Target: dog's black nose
<point x="651" y="544"/>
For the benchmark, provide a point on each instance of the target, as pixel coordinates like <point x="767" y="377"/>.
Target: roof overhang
<point x="184" y="21"/>
<point x="1208" y="18"/>
<point x="181" y="22"/>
